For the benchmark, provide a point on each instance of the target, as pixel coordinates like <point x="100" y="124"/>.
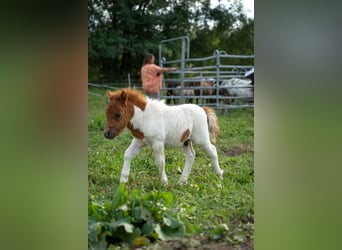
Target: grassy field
<point x="213" y="211"/>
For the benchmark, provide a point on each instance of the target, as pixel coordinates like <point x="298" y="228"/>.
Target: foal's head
<point x="120" y="110"/>
<point x="118" y="113"/>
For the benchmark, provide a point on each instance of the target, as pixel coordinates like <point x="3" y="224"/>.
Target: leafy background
<point x="121" y="33"/>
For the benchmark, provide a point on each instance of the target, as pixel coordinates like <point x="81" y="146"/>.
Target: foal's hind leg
<point x="212" y="152"/>
<point x="189" y="159"/>
<point x="130" y="152"/>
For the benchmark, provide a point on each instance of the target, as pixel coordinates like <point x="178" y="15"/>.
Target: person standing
<point x="151" y="77"/>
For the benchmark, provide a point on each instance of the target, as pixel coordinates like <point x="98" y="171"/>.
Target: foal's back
<point x="185" y="119"/>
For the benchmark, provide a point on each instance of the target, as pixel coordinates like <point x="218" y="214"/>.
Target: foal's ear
<point x="124" y="97"/>
<point x="109" y="95"/>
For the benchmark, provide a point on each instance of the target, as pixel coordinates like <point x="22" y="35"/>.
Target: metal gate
<point x="198" y="79"/>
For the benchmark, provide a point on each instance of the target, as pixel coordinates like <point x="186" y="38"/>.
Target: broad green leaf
<point x="95" y="209"/>
<point x="120" y="197"/>
<point x="128" y="237"/>
<point x="172" y="222"/>
<point x="122" y="222"/>
<point x="97" y="233"/>
<point x="167" y="197"/>
<point x="160" y="232"/>
<point x="147" y="228"/>
<point x="94" y="229"/>
<point x="166" y="233"/>
<point x="142" y="214"/>
<point x="174" y="233"/>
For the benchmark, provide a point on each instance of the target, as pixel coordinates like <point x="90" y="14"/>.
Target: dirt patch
<point x="196" y="243"/>
<point x="238" y="150"/>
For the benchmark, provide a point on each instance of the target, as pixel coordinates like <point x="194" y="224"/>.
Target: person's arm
<point x="163" y="70"/>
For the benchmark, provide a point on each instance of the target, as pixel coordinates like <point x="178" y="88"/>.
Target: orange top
<point x="151" y="78"/>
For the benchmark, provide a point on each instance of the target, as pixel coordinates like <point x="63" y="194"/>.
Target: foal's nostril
<point x="109" y="134"/>
<point x="106" y="134"/>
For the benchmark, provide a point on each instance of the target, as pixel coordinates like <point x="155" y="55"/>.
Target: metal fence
<point x="188" y="80"/>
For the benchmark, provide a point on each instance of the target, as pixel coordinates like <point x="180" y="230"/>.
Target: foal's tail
<point x="213" y="126"/>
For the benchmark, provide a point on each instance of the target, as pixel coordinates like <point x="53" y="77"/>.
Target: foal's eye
<point x="117" y="115"/>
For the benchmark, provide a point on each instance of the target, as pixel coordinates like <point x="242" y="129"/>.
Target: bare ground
<point x="196" y="243"/>
<point x="238" y="150"/>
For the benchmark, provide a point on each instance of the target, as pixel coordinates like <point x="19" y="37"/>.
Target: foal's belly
<point x="173" y="143"/>
<point x="168" y="142"/>
<point x="173" y="140"/>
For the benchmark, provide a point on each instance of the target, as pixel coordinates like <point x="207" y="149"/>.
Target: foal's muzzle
<point x="110" y="133"/>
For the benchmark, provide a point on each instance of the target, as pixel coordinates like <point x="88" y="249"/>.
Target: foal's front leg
<point x="158" y="149"/>
<point x="130" y="152"/>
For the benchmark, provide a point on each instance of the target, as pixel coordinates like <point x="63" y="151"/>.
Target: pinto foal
<point x="153" y="123"/>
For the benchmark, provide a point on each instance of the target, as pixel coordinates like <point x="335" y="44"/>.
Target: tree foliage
<point x="121" y="32"/>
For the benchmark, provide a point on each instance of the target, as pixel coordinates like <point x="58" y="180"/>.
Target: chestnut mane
<point x="133" y="97"/>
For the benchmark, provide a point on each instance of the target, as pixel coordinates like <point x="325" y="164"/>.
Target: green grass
<point x="213" y="208"/>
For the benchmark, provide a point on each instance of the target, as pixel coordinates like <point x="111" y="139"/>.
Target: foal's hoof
<point x="123" y="179"/>
<point x="220" y="175"/>
<point x="182" y="181"/>
<point x="164" y="182"/>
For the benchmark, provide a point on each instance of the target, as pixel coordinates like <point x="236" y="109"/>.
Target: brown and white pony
<point x="156" y="124"/>
<point x="191" y="90"/>
<point x="188" y="93"/>
<point x="207" y="89"/>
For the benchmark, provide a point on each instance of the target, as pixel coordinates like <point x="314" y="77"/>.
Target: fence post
<point x="161" y="65"/>
<point x="182" y="68"/>
<point x="129" y="80"/>
<point x="218" y="63"/>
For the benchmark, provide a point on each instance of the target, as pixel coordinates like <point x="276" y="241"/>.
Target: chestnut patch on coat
<point x="185" y="135"/>
<point x="135" y="132"/>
